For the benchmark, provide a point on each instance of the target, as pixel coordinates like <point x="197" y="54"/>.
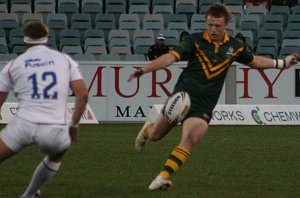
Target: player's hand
<point x="136" y="74"/>
<point x="73" y="132"/>
<point x="291" y="60"/>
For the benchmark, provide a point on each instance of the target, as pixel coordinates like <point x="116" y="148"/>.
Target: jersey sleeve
<point x="5" y="79"/>
<point x="184" y="49"/>
<point x="246" y="56"/>
<point x="75" y="74"/>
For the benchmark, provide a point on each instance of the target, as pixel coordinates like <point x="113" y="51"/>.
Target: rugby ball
<point x="176" y="107"/>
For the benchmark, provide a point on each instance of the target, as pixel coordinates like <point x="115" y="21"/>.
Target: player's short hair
<point x="218" y="10"/>
<point x="36" y="32"/>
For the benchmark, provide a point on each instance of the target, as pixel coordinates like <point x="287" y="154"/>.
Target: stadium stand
<point x="142" y="20"/>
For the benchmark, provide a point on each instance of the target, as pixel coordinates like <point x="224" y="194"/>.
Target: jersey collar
<point x="207" y="37"/>
<point x="36" y="47"/>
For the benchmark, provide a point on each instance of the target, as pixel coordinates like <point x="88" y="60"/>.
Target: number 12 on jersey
<point x="47" y="92"/>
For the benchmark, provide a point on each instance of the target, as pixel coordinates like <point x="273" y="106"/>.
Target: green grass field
<point x="230" y="162"/>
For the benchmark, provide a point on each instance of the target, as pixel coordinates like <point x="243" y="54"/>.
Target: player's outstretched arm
<point x="81" y="99"/>
<point x="261" y="62"/>
<point x="159" y="63"/>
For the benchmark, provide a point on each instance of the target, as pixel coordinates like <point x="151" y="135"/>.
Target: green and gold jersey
<point x="208" y="64"/>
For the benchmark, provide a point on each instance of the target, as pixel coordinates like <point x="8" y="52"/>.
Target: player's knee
<point x="53" y="166"/>
<point x="154" y="136"/>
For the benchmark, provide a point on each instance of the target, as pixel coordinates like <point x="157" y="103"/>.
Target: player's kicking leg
<point x="154" y="129"/>
<point x="142" y="136"/>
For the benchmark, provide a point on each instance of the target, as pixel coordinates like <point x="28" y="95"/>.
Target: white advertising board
<point x="9" y="110"/>
<point x="249" y="114"/>
<point x="112" y="98"/>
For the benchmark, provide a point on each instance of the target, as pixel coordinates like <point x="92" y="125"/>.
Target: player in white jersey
<point x="41" y="79"/>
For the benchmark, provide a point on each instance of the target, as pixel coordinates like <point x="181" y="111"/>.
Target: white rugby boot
<point x="140" y="140"/>
<point x="159" y="183"/>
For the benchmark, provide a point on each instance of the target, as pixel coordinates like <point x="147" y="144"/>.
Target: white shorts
<point x="49" y="138"/>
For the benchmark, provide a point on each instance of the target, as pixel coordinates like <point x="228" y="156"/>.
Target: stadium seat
<point x="287" y="50"/>
<point x="122" y="51"/>
<point x="118" y="42"/>
<point x="179" y="26"/>
<point x="143" y="34"/>
<point x="140" y="2"/>
<point x="93" y="34"/>
<point x="3" y="8"/>
<point x="72" y="50"/>
<point x="164" y="10"/>
<point x="153" y="18"/>
<point x="141" y="45"/>
<point x="97" y="51"/>
<point x="118" y="34"/>
<point x="231" y="27"/>
<point x="40" y="2"/>
<point x="268" y="42"/>
<point x="176" y="18"/>
<point x="8" y="57"/>
<point x="45" y="10"/>
<point x="260" y="10"/>
<point x="296" y="9"/>
<point x="290" y="42"/>
<point x="28" y="2"/>
<point x="204" y="3"/>
<point x="52" y="39"/>
<point x="155" y="26"/>
<point x="233" y="2"/>
<point x="187" y="10"/>
<point x="172" y="37"/>
<point x="130" y="22"/>
<point x="69" y="38"/>
<point x="116" y="10"/>
<point x="105" y="22"/>
<point x="97" y="34"/>
<point x="31" y="17"/>
<point x="94" y="42"/>
<point x="252" y="26"/>
<point x="140" y="10"/>
<point x="68" y="9"/>
<point x="268" y="34"/>
<point x="92" y="7"/>
<point x="84" y="57"/>
<point x="81" y="22"/>
<point x="135" y="57"/>
<point x="3" y="49"/>
<point x="248" y="34"/>
<point x="20" y="9"/>
<point x="8" y="22"/>
<point x="291" y="34"/>
<point x="280" y="10"/>
<point x="3" y="41"/>
<point x="19" y="49"/>
<point x="293" y="22"/>
<point x="109" y="57"/>
<point x="57" y="22"/>
<point x="268" y="52"/>
<point x="200" y="27"/>
<point x="236" y="11"/>
<point x="163" y="2"/>
<point x="251" y="18"/>
<point x="18" y="32"/>
<point x="278" y="27"/>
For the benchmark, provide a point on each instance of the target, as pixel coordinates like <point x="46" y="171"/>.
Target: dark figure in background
<point x="159" y="48"/>
<point x="183" y="35"/>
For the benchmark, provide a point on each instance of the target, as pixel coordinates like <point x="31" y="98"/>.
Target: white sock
<point x="43" y="173"/>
